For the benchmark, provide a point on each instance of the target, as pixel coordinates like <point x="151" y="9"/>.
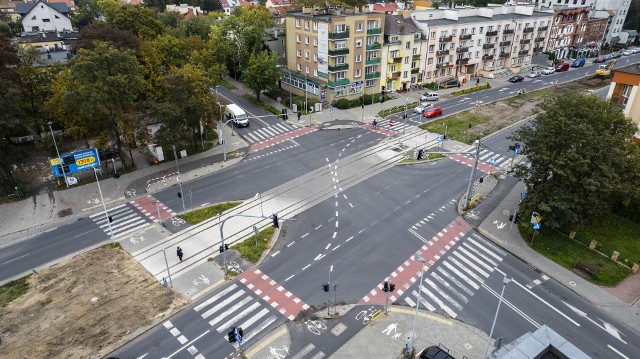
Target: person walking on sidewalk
<point x="179" y="252"/>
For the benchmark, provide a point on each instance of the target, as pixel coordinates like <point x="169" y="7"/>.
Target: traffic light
<point x="512" y="148"/>
<point x="419" y="155"/>
<point x="225" y="248"/>
<point x="325" y="287"/>
<point x="385" y="287"/>
<point x="392" y="287"/>
<point x="517" y="146"/>
<point x="274" y="217"/>
<point x="231" y="335"/>
<point x="179" y="194"/>
<point x="517" y="219"/>
<point x="382" y="95"/>
<point x="110" y="219"/>
<point x="240" y="332"/>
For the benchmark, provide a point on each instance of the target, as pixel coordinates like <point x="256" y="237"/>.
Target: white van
<point x="429" y="96"/>
<point x="235" y="113"/>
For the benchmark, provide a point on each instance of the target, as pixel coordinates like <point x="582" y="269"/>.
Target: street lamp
<point x="505" y="281"/>
<point x="181" y="195"/>
<point x="415" y="318"/>
<point x="58" y="153"/>
<point x="106" y="214"/>
<point x="260" y="196"/>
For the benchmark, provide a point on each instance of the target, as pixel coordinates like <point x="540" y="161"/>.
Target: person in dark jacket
<point x="179" y="251"/>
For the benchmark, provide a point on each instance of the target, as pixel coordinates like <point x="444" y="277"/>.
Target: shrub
<point x="355" y="103"/>
<point x="343" y="104"/>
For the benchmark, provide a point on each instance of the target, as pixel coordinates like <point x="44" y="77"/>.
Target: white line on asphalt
<point x="617" y="351"/>
<point x="303" y="352"/>
<point x="230" y="310"/>
<point x="304" y="235"/>
<point x="336" y="216"/>
<point x="215" y="298"/>
<point x="350" y="238"/>
<point x="237" y="318"/>
<point x="334" y="234"/>
<point x="336" y="247"/>
<point x="82" y="234"/>
<point x="318" y="257"/>
<point x="222" y="304"/>
<point x="275" y="254"/>
<point x="350" y="205"/>
<point x="318" y="227"/>
<point x="291" y="276"/>
<point x="205" y="204"/>
<point x="307" y="266"/>
<point x="15" y="259"/>
<point x="290" y="244"/>
<point x="336" y="222"/>
<point x="541" y="300"/>
<point x="188" y="344"/>
<point x="512" y="306"/>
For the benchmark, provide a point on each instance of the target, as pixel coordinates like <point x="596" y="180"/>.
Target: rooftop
<point x="24" y="8"/>
<point x="397" y="24"/>
<point x="478" y="19"/>
<point x="631" y="69"/>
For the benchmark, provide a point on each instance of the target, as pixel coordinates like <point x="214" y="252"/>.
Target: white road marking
<point x="307" y="266"/>
<point x="291" y="276"/>
<point x="215" y="297"/>
<point x="15" y="259"/>
<point x="617" y="351"/>
<point x="275" y="254"/>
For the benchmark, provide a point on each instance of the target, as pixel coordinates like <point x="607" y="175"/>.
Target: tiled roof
<point x="281" y="2"/>
<point x="385" y="7"/>
<point x="397" y="24"/>
<point x="24" y="8"/>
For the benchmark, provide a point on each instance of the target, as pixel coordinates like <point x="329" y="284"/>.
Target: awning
<point x="615" y="38"/>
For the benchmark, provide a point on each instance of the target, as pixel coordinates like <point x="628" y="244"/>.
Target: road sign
<point x="537" y="226"/>
<point x="75" y="162"/>
<point x="492" y="160"/>
<point x="516" y="151"/>
<point x="535" y="218"/>
<point x="524" y="195"/>
<point x="440" y="138"/>
<point x="331" y="110"/>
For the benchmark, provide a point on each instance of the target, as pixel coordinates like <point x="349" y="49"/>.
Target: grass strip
<point x="458" y="126"/>
<point x="202" y="214"/>
<point x="251" y="248"/>
<point x="13" y="290"/>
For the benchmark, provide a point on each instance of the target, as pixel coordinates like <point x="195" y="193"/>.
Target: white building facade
<point x="41" y="16"/>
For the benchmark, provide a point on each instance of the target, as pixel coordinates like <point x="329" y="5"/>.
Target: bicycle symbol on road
<point x="279" y="353"/>
<point x="130" y="192"/>
<point x="366" y="315"/>
<point x="177" y="221"/>
<point x="234" y="267"/>
<point x="315" y="326"/>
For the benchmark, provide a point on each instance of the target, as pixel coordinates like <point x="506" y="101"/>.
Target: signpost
<point x="535" y="221"/>
<point x="74" y="162"/>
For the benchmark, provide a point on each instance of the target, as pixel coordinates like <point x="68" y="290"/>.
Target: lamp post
<point x="58" y="153"/>
<point x="261" y="209"/>
<point x="106" y="214"/>
<point x="415" y="318"/>
<point x="184" y="209"/>
<point x="505" y="281"/>
<point x="224" y="142"/>
<point x="329" y="292"/>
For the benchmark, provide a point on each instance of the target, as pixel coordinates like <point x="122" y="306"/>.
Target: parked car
<point x="434" y="352"/>
<point x="548" y="70"/>
<point x="635" y="50"/>
<point x="562" y="67"/>
<point x="516" y="78"/>
<point x="617" y="55"/>
<point x="608" y="57"/>
<point x="626" y="52"/>
<point x="599" y="59"/>
<point x="432" y="111"/>
<point x="421" y="107"/>
<point x="579" y="62"/>
<point x="429" y="96"/>
<point x="534" y="74"/>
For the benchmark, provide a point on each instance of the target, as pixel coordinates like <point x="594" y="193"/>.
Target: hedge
<point x="472" y="89"/>
<point x="396" y="109"/>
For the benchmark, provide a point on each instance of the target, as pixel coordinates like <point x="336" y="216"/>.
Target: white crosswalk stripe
<point x="308" y="352"/>
<point x="398" y="125"/>
<point x="266" y="133"/>
<point x="451" y="282"/>
<point x="126" y="219"/>
<point x="235" y="306"/>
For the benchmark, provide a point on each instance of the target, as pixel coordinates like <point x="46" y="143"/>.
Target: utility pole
<point x="104" y="206"/>
<point x="181" y="194"/>
<point x="473" y="174"/>
<point x="329" y="292"/>
<point x="58" y="153"/>
<point x="386" y="303"/>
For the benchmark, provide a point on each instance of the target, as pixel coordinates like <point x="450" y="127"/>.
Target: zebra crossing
<point x="125" y="219"/>
<point x="398" y="125"/>
<point x="268" y="132"/>
<point x="450" y="284"/>
<point x="308" y="352"/>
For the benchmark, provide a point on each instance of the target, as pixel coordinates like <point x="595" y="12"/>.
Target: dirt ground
<point x="84" y="307"/>
<point x="506" y="112"/>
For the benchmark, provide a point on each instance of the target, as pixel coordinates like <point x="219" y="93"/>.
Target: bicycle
<point x="177" y="221"/>
<point x="315" y="326"/>
<point x="130" y="192"/>
<point x="366" y="315"/>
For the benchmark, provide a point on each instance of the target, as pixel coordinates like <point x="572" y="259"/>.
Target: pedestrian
<point x="179" y="251"/>
<point x="477" y="81"/>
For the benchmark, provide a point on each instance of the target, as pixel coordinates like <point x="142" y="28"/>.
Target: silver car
<point x="421" y="107"/>
<point x="534" y="74"/>
<point x="548" y="70"/>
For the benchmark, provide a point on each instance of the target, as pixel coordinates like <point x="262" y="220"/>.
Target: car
<point x="608" y="57"/>
<point x="616" y="55"/>
<point x="534" y="74"/>
<point x="421" y="107"/>
<point x="434" y="352"/>
<point x="548" y="70"/>
<point x="429" y="96"/>
<point x="626" y="52"/>
<point x="516" y="78"/>
<point x="635" y="50"/>
<point x="599" y="59"/>
<point x="432" y="111"/>
<point x="579" y="62"/>
<point x="562" y="67"/>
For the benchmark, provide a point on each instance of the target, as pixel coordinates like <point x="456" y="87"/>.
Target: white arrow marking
<point x="606" y="327"/>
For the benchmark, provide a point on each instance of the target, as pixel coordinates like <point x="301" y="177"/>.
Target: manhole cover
<point x="572" y="283"/>
<point x="338" y="329"/>
<point x="65" y="212"/>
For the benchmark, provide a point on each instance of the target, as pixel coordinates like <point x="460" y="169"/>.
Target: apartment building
<point x="481" y="41"/>
<point x="575" y="33"/>
<point x="403" y="54"/>
<point x="333" y="52"/>
<point x="624" y="91"/>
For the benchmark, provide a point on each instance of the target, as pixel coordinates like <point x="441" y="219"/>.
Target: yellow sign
<point x="538" y="219"/>
<point x="85" y="161"/>
<point x="55" y="161"/>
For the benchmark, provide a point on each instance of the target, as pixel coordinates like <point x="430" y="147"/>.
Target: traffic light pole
<point x="224" y="255"/>
<point x="386" y="303"/>
<point x="175" y="156"/>
<point x="473" y="173"/>
<point x="106" y="214"/>
<point x="329" y="292"/>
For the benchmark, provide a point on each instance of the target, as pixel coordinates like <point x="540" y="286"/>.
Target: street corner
<point x="198" y="280"/>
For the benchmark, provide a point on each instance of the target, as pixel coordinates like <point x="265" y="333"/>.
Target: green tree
<point x="579" y="148"/>
<point x="103" y="88"/>
<point x="632" y="21"/>
<point x="261" y="73"/>
<point x="136" y="20"/>
<point x="88" y="11"/>
<point x="104" y="32"/>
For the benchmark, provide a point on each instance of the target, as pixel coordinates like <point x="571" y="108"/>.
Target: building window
<point x="298" y="38"/>
<point x="46" y="20"/>
<point x="315" y="42"/>
<point x="431" y="47"/>
<point x="306" y="54"/>
<point x="340" y="75"/>
<point x="341" y="45"/>
<point x="415" y="50"/>
<point x="433" y="34"/>
<point x="306" y="40"/>
<point x="477" y="54"/>
<point x="340" y="60"/>
<point x="298" y="67"/>
<point x="306" y="24"/>
<point x="392" y="68"/>
<point x="298" y="23"/>
<point x="358" y="73"/>
<point x="307" y="69"/>
<point x="315" y="57"/>
<point x="298" y="52"/>
<point x="394" y="53"/>
<point x="406" y="60"/>
<point x="414" y="64"/>
<point x="372" y="24"/>
<point x="358" y="58"/>
<point x="430" y="61"/>
<point x="359" y="26"/>
<point x="394" y="39"/>
<point x="370" y="83"/>
<point x="315" y="72"/>
<point x="341" y="27"/>
<point x="315" y="26"/>
<point x="405" y="74"/>
<point x="372" y="40"/>
<point x="358" y="42"/>
<point x="481" y="29"/>
<point x="407" y="45"/>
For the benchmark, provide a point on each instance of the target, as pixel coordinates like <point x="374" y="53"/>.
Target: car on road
<point x="548" y="70"/>
<point x="626" y="52"/>
<point x="421" y="107"/>
<point x="635" y="50"/>
<point x="599" y="59"/>
<point x="616" y="55"/>
<point x="434" y="352"/>
<point x="516" y="78"/>
<point x="429" y="96"/>
<point x="432" y="111"/>
<point x="579" y="62"/>
<point x="562" y="67"/>
<point x="534" y="74"/>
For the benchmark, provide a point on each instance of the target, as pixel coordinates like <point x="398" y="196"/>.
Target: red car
<point x="432" y="111"/>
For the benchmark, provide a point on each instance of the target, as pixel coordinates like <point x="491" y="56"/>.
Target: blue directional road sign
<point x="238" y="337"/>
<point x="492" y="160"/>
<point x="516" y="151"/>
<point x="537" y="226"/>
<point x="440" y="138"/>
<point x="330" y="110"/>
<point x="524" y="195"/>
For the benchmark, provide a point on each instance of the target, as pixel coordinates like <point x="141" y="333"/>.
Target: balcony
<point x="538" y="49"/>
<point x="505" y="54"/>
<point x="505" y="43"/>
<point x="488" y="46"/>
<point x="415" y="71"/>
<point x="487" y="57"/>
<point x="492" y="33"/>
<point x="415" y="57"/>
<point x="375" y="46"/>
<point x="394" y="60"/>
<point x="374" y="31"/>
<point x="442" y="52"/>
<point x="339" y="35"/>
<point x="508" y="31"/>
<point x="372" y="75"/>
<point x="543" y="28"/>
<point x="523" y="52"/>
<point x="539" y="39"/>
<point x="525" y="41"/>
<point x="466" y="36"/>
<point x="446" y="38"/>
<point x="338" y="83"/>
<point x="462" y="49"/>
<point x="442" y="65"/>
<point x="528" y="30"/>
<point x="393" y="75"/>
<point x="462" y="61"/>
<point x="337" y="52"/>
<point x="339" y="67"/>
<point x="372" y="61"/>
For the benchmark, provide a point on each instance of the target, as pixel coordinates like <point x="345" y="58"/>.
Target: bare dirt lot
<point x="84" y="307"/>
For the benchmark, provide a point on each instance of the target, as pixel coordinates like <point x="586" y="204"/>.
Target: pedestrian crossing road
<point x="126" y="219"/>
<point x="265" y="133"/>
<point x="489" y="161"/>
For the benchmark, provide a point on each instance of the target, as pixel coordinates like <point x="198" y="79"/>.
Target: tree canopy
<point x="581" y="157"/>
<point x="261" y="73"/>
